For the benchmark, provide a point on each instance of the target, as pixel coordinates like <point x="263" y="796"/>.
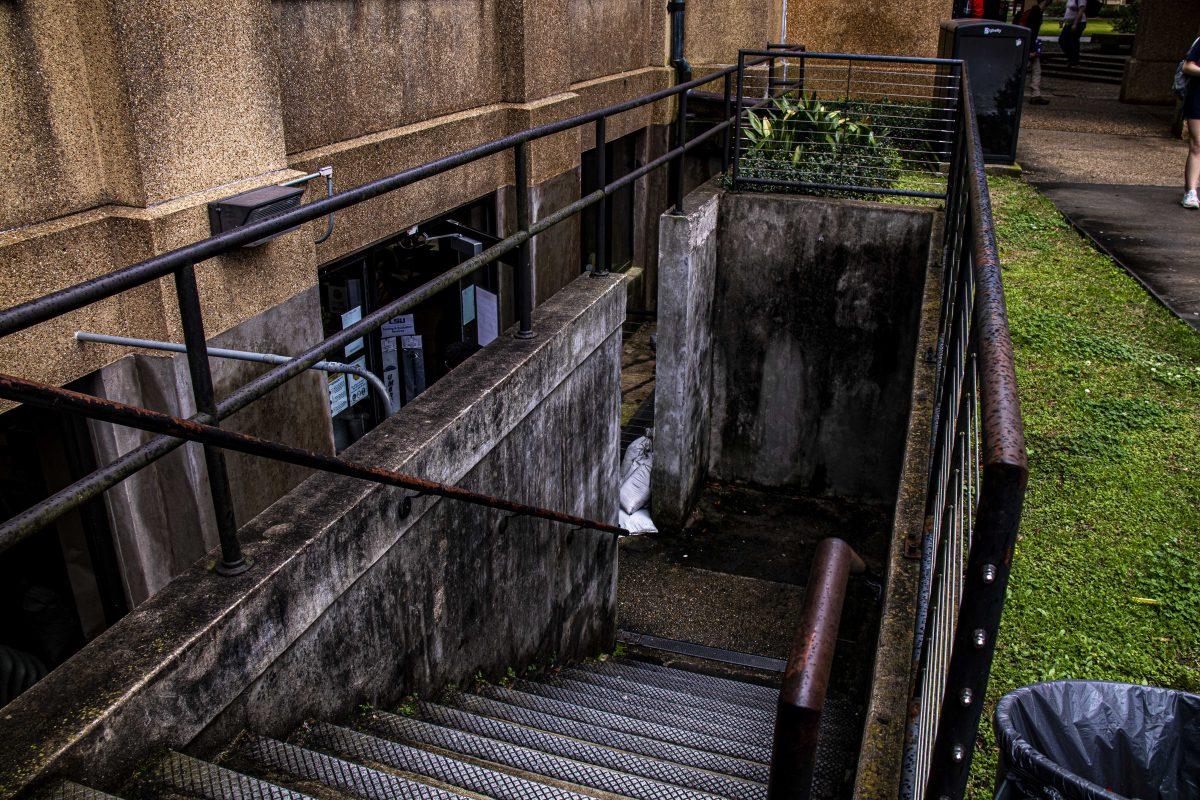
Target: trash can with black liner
<point x="1089" y="740"/>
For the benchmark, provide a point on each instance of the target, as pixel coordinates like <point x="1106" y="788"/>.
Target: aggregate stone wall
<point x="349" y="601"/>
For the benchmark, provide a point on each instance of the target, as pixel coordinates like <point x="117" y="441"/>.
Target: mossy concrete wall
<point x="815" y="316"/>
<point x="348" y="600"/>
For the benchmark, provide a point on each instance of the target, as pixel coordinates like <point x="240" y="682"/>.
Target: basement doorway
<point x="60" y="587"/>
<point x="416" y="349"/>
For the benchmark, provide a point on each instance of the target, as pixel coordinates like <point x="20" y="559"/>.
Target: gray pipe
<point x="245" y="355"/>
<point x="683" y="70"/>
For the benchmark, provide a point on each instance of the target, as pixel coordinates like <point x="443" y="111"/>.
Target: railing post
<point x="524" y="271"/>
<point x="231" y="562"/>
<point x="601" y="267"/>
<point x="770" y="77"/>
<point x="725" y="114"/>
<point x="737" y="120"/>
<point x="677" y="162"/>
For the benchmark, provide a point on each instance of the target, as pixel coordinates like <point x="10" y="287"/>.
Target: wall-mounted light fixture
<point x="265" y="202"/>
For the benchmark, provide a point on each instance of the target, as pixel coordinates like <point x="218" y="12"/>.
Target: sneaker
<point x="1190" y="200"/>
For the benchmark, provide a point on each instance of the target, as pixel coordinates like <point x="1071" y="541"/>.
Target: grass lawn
<point x="1052" y="27"/>
<point x="1106" y="582"/>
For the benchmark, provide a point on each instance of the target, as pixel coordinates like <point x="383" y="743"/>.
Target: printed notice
<point x="349" y="318"/>
<point x="338" y="398"/>
<point x="468" y="304"/>
<point x="391" y="370"/>
<point x="403" y="325"/>
<point x="358" y="385"/>
<point x="489" y="316"/>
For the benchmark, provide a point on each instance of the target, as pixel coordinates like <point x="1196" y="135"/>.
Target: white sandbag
<point x="635" y="490"/>
<point x="638" y="448"/>
<point x="639" y="522"/>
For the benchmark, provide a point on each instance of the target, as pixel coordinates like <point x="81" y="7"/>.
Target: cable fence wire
<point x="847" y="127"/>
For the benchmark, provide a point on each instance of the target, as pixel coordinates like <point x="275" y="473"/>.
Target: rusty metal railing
<point x="180" y="264"/>
<point x="977" y="480"/>
<point x="806" y="678"/>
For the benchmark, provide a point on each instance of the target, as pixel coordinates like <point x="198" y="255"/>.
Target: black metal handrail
<point x="181" y="264"/>
<point x="977" y="480"/>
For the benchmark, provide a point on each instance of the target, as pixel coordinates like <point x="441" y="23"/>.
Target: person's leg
<point x="1035" y="78"/>
<point x="1192" y="166"/>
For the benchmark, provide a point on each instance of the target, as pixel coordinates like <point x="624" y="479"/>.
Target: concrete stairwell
<point x="613" y="729"/>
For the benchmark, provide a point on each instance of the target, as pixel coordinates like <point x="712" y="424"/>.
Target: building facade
<point x="125" y="120"/>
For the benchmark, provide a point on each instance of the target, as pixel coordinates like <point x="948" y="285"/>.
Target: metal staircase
<point x="609" y="729"/>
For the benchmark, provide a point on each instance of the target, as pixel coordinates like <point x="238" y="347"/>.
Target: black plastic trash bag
<point x="1086" y="740"/>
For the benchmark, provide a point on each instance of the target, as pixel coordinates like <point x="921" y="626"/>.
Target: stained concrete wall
<point x="349" y="602"/>
<point x="787" y="328"/>
<point x="687" y="269"/>
<point x="815" y="319"/>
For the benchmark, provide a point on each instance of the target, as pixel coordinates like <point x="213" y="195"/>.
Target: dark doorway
<point x="414" y="350"/>
<point x="61" y="586"/>
<point x="620" y="159"/>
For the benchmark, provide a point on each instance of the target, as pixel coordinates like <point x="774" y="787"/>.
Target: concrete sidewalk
<point x="1115" y="172"/>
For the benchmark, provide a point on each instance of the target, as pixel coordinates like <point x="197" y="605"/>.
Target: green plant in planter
<point x="806" y="140"/>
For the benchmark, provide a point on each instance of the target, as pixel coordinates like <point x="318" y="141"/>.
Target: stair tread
<point x="590" y="753"/>
<point x="740" y="727"/>
<point x="701" y="677"/>
<point x="527" y="760"/>
<point x="336" y="773"/>
<point x="640" y="726"/>
<point x="754" y="713"/>
<point x="689" y="683"/>
<point x="70" y="790"/>
<point x="201" y="779"/>
<point x="445" y="769"/>
<point x="646" y="742"/>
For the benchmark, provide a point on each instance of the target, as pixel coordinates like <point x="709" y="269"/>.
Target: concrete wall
<point x="687" y="269"/>
<point x="1166" y="29"/>
<point x="815" y="319"/>
<point x="161" y="517"/>
<point x="348" y="602"/>
<point x="787" y="332"/>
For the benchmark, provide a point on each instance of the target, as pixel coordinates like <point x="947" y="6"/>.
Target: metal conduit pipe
<point x="247" y="355"/>
<point x="678" y="11"/>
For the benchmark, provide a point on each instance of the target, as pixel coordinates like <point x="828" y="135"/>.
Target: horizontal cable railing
<point x="844" y="125"/>
<point x="181" y="263"/>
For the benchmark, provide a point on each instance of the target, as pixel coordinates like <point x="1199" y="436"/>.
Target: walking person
<point x="1191" y="115"/>
<point x="1074" y="21"/>
<point x="1031" y="18"/>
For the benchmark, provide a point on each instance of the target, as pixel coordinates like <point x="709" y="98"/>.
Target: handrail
<point x="978" y="475"/>
<point x="86" y="405"/>
<point x="180" y="263"/>
<point x="806" y="678"/>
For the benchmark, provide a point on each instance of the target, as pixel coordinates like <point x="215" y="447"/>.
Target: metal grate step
<point x="768" y="696"/>
<point x="641" y="708"/>
<point x="747" y="694"/>
<point x="197" y="778"/>
<point x="722" y="708"/>
<point x="611" y="736"/>
<point x="628" y="725"/>
<point x="335" y="773"/>
<point x="590" y="753"/>
<point x="526" y="760"/>
<point x="69" y="790"/>
<point x="394" y="755"/>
